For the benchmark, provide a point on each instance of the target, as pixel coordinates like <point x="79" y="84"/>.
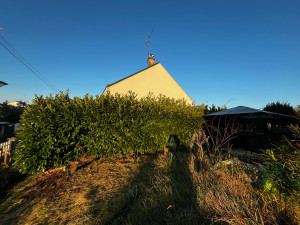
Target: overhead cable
<point x="7" y="46"/>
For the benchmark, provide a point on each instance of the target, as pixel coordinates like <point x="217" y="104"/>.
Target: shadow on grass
<point x="159" y="193"/>
<point x="171" y="199"/>
<point x="12" y="203"/>
<point x="115" y="208"/>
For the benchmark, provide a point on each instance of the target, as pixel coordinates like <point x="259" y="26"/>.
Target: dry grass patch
<point x="120" y="190"/>
<point x="57" y="197"/>
<point x="227" y="196"/>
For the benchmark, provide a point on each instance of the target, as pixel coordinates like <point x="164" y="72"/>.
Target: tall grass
<point x="227" y="197"/>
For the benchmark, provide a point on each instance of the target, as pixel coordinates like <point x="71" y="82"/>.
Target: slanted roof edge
<point x="109" y="85"/>
<point x="221" y="113"/>
<point x="178" y="85"/>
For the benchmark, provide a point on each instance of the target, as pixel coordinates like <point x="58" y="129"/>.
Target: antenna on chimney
<point x="148" y="43"/>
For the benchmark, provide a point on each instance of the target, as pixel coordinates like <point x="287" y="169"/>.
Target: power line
<point x="20" y="58"/>
<point x="28" y="67"/>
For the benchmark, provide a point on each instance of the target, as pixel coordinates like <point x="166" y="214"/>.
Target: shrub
<point x="282" y="172"/>
<point x="58" y="129"/>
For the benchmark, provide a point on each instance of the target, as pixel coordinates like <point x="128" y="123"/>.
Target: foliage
<point x="282" y="108"/>
<point x="213" y="108"/>
<point x="9" y="113"/>
<point x="282" y="172"/>
<point x="58" y="129"/>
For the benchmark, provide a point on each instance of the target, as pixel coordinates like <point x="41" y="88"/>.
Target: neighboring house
<point x="153" y="79"/>
<point x="2" y="83"/>
<point x="18" y="104"/>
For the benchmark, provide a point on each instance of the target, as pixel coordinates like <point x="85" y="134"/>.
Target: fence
<point x="6" y="151"/>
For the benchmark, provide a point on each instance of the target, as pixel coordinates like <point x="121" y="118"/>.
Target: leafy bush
<point x="58" y="129"/>
<point x="282" y="172"/>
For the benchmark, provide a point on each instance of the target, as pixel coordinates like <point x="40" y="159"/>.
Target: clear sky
<point x="234" y="52"/>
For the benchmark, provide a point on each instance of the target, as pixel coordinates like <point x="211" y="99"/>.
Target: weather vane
<point x="148" y="42"/>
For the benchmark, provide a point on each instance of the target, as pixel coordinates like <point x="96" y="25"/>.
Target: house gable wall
<point x="154" y="79"/>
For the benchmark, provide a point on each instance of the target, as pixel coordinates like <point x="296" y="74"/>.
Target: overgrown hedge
<point x="58" y="129"/>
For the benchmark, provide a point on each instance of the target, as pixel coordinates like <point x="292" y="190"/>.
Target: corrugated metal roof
<point x="244" y="110"/>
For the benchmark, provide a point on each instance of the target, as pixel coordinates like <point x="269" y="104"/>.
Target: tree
<point x="9" y="113"/>
<point x="213" y="108"/>
<point x="282" y="108"/>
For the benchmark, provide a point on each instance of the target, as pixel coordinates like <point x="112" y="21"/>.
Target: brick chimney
<point x="151" y="60"/>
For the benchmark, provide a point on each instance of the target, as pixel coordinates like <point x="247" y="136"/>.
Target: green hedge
<point x="55" y="130"/>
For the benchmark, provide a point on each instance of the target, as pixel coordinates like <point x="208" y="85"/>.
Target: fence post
<point x="1" y="152"/>
<point x="6" y="151"/>
<point x="12" y="147"/>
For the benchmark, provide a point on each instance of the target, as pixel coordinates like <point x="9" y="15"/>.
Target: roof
<point x="130" y="75"/>
<point x="246" y="111"/>
<point x="2" y="83"/>
<point x="18" y="103"/>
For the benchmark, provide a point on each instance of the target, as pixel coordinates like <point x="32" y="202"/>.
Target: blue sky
<point x="234" y="52"/>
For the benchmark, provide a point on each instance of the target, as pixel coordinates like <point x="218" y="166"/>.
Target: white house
<point x="18" y="104"/>
<point x="153" y="79"/>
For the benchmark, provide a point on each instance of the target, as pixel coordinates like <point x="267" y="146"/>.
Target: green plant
<point x="57" y="129"/>
<point x="282" y="172"/>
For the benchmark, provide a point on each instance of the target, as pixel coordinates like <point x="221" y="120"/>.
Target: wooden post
<point x="12" y="143"/>
<point x="1" y="152"/>
<point x="166" y="150"/>
<point x="74" y="166"/>
<point x="6" y="152"/>
<point x="12" y="147"/>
